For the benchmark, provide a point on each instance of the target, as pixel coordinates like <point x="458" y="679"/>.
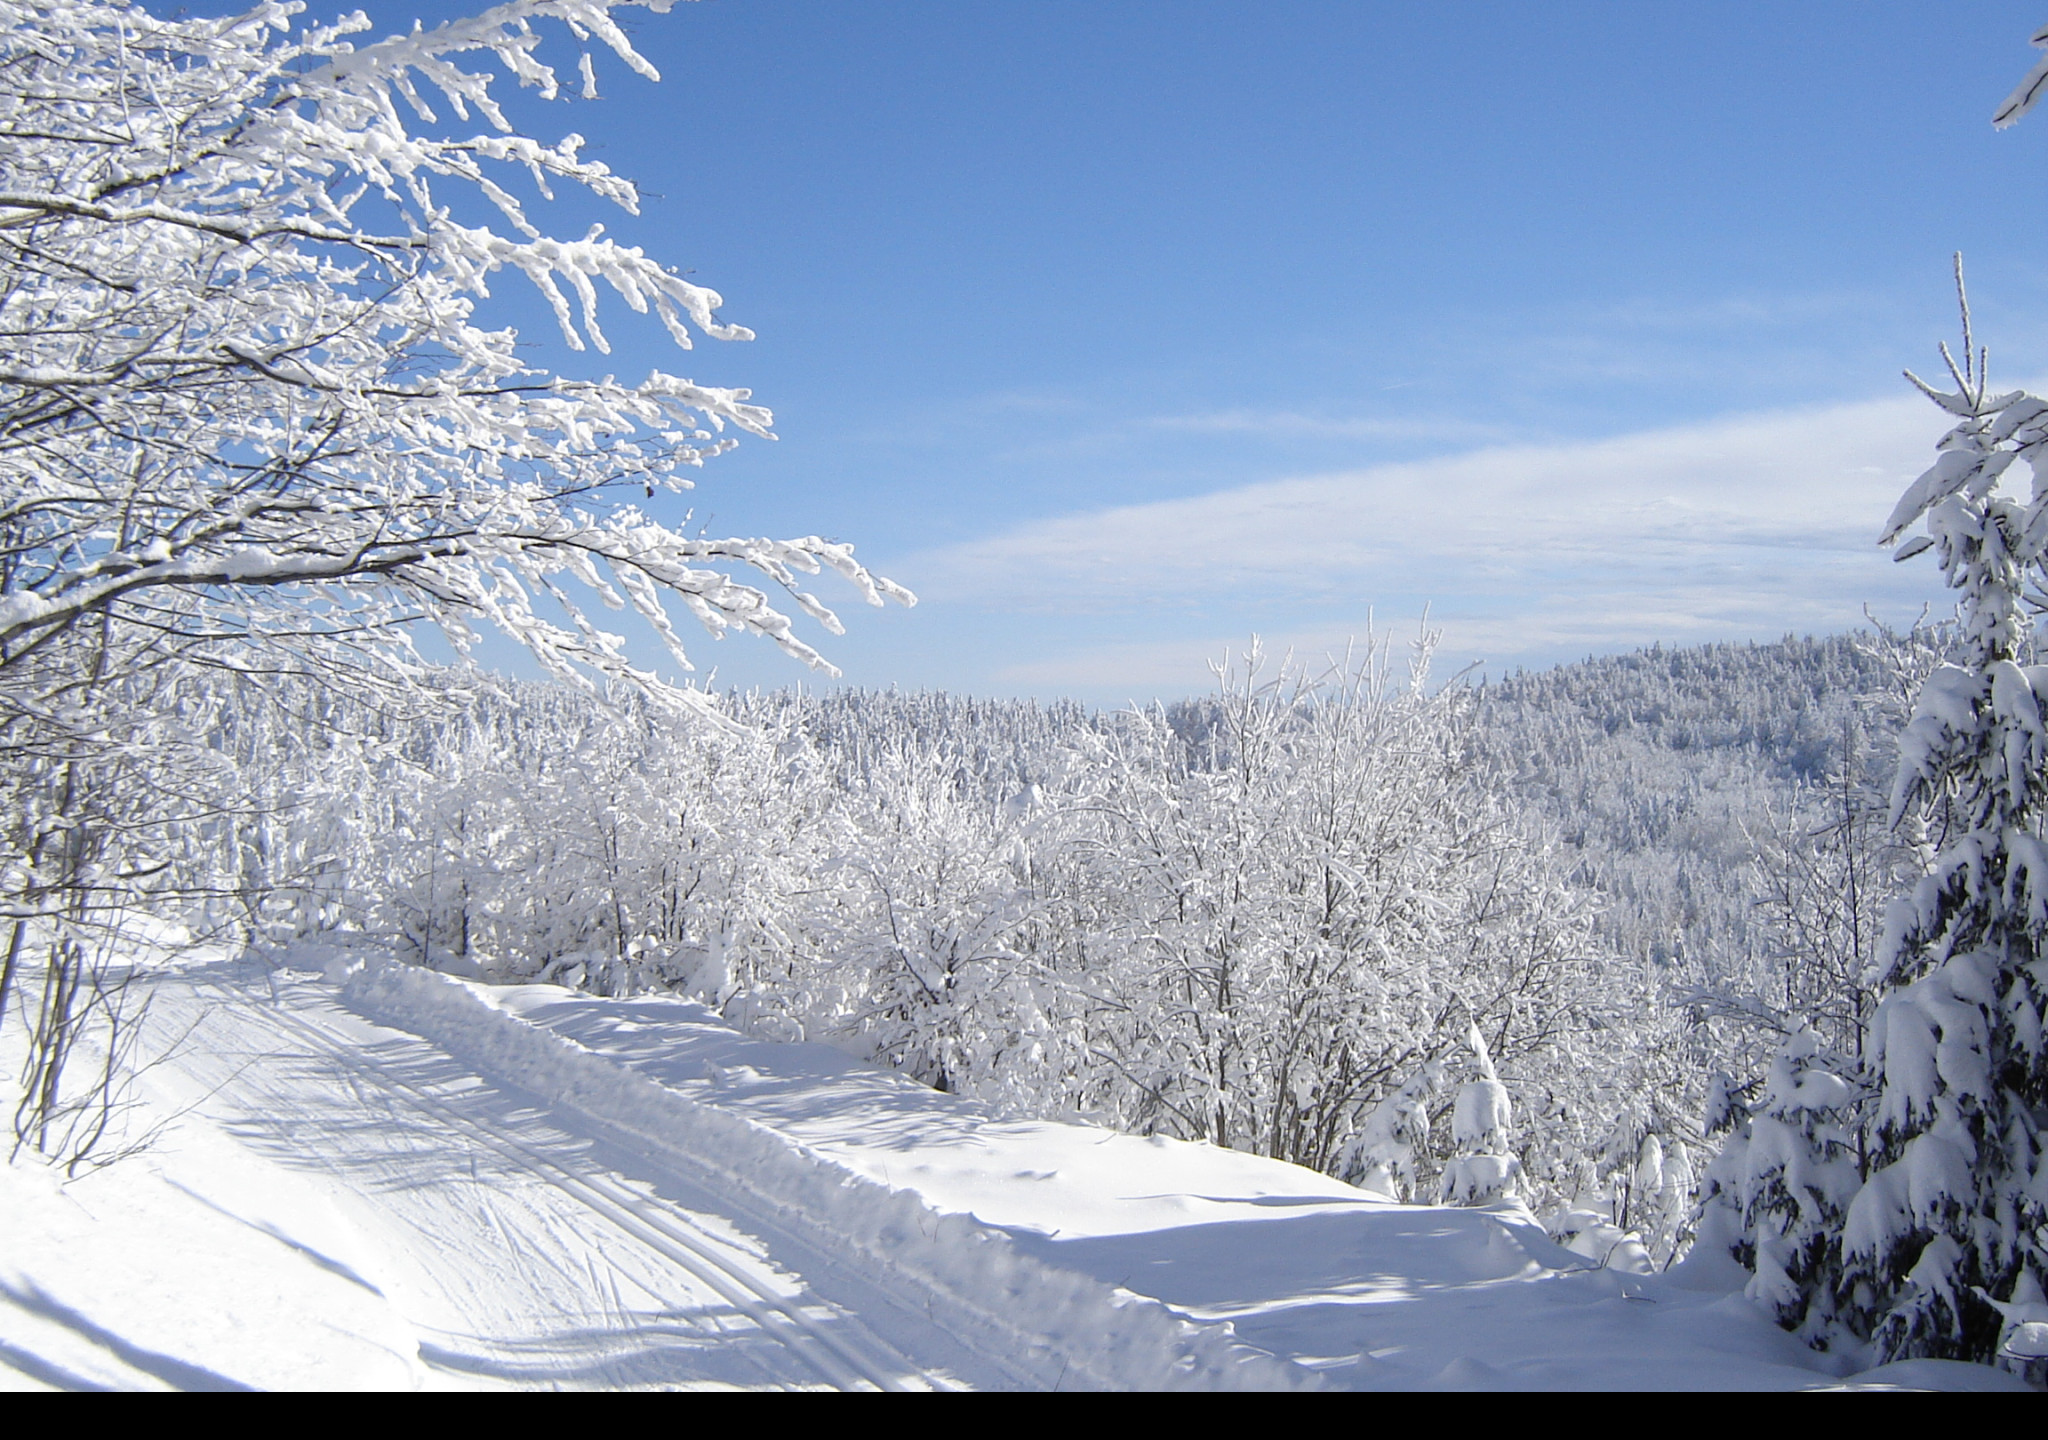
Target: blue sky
<point x="1121" y="329"/>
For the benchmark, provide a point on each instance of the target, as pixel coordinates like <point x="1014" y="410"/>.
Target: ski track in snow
<point x="526" y="1187"/>
<point x="526" y="1254"/>
<point x="724" y="1266"/>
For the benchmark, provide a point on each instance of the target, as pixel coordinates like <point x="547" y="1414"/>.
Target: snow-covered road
<point x="532" y="1254"/>
<point x="382" y="1178"/>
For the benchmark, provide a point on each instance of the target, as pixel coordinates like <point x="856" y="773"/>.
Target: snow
<point x="393" y="1179"/>
<point x="244" y="1274"/>
<point x="1481" y="1116"/>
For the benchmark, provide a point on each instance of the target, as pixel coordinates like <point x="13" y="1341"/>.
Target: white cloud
<point x="1290" y="425"/>
<point x="1745" y="527"/>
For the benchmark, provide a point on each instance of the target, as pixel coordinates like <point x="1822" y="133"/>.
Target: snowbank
<point x="1066" y="1329"/>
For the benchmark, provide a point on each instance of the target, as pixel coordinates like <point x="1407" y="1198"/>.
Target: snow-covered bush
<point x="1590" y="1231"/>
<point x="1383" y="1152"/>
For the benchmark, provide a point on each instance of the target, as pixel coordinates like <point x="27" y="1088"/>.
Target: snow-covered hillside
<point x="370" y="1176"/>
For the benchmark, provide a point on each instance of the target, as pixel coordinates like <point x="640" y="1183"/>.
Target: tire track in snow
<point x="832" y="1361"/>
<point x="836" y="1362"/>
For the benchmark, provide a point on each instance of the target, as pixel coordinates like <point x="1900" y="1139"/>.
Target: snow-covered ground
<point x="376" y="1177"/>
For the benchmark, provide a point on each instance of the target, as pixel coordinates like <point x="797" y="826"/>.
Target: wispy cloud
<point x="1748" y="526"/>
<point x="1286" y="424"/>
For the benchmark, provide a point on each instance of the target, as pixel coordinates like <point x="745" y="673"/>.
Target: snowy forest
<point x="1273" y="917"/>
<point x="1734" y="946"/>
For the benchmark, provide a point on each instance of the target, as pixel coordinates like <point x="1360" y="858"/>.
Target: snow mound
<point x="1069" y="1329"/>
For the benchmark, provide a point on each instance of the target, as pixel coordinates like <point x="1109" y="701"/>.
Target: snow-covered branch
<point x="240" y="363"/>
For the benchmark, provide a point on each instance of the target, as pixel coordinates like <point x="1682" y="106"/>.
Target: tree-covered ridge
<point x="1779" y="702"/>
<point x="1669" y="773"/>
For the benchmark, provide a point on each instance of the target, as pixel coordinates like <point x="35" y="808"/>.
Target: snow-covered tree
<point x="1291" y="901"/>
<point x="1951" y="1215"/>
<point x="247" y="400"/>
<point x="1482" y="1166"/>
<point x="254" y="416"/>
<point x="1381" y="1154"/>
<point x="1782" y="1183"/>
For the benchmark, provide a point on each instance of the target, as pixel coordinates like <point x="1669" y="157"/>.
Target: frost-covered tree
<point x="1951" y="1215"/>
<point x="1290" y="902"/>
<point x="254" y="416"/>
<point x="247" y="399"/>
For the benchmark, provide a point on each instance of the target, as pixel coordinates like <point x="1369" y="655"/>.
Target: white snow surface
<point x="380" y="1178"/>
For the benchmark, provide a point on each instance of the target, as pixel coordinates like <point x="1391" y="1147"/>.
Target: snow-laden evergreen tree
<point x="1482" y="1166"/>
<point x="1783" y="1181"/>
<point x="1381" y="1156"/>
<point x="1665" y="1175"/>
<point x="1952" y="1214"/>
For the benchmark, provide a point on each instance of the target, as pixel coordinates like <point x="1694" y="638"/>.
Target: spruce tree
<point x="1952" y="1214"/>
<point x="1782" y="1181"/>
<point x="1483" y="1168"/>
